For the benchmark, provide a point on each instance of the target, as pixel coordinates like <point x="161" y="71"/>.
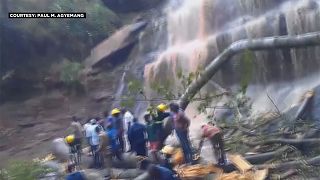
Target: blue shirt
<point x="136" y="133"/>
<point x="166" y="174"/>
<point x="75" y="176"/>
<point x="113" y="136"/>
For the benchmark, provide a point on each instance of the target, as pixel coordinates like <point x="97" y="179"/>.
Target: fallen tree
<point x="294" y="142"/>
<point x="299" y="41"/>
<point x="315" y="161"/>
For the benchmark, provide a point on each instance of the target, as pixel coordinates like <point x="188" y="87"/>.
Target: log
<point x="298" y="41"/>
<point x="294" y="142"/>
<point x="315" y="161"/>
<point x="258" y="159"/>
<point x="263" y="157"/>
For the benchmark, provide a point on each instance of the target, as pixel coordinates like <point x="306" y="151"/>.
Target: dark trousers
<point x="96" y="156"/>
<point x="117" y="154"/>
<point x="185" y="144"/>
<point x="140" y="149"/>
<point x="121" y="142"/>
<point x="218" y="146"/>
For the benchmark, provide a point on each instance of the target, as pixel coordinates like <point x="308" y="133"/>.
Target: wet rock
<point x="60" y="149"/>
<point x="315" y="104"/>
<point x="116" y="49"/>
<point x="130" y="5"/>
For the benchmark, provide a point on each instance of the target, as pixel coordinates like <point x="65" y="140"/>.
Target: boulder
<point x="115" y="49"/>
<point x="130" y="5"/>
<point x="60" y="149"/>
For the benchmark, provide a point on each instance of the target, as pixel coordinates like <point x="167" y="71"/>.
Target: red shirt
<point x="209" y="131"/>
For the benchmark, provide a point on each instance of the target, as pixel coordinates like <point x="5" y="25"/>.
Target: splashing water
<point x="198" y="31"/>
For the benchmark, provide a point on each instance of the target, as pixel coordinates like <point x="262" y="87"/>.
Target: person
<point x="137" y="136"/>
<point x="77" y="131"/>
<point x="117" y="123"/>
<point x="128" y="121"/>
<point x="102" y="149"/>
<point x="94" y="142"/>
<point x="157" y="172"/>
<point x="181" y="126"/>
<point x="215" y="135"/>
<point x="70" y="140"/>
<point x="158" y="120"/>
<point x="113" y="138"/>
<point x="72" y="174"/>
<point x="87" y="130"/>
<point x="152" y="136"/>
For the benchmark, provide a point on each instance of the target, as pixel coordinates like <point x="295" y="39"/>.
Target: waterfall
<point x="198" y="30"/>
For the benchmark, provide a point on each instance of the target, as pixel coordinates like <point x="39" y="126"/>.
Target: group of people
<point x="107" y="136"/>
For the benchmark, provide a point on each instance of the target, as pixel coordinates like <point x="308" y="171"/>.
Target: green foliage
<point x="25" y="170"/>
<point x="247" y="70"/>
<point x="70" y="72"/>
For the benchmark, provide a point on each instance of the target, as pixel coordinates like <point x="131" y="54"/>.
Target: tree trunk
<point x="299" y="41"/>
<point x="293" y="142"/>
<point x="292" y="164"/>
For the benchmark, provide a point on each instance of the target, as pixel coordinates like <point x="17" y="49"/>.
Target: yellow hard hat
<point x="115" y="111"/>
<point x="168" y="150"/>
<point x="69" y="139"/>
<point x="162" y="107"/>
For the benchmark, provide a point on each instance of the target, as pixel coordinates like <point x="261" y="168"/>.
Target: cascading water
<point x="198" y="30"/>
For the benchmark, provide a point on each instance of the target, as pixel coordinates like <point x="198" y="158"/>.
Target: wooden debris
<point x="249" y="175"/>
<point x="198" y="170"/>
<point x="242" y="164"/>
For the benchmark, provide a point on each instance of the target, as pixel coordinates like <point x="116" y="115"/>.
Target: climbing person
<point x="181" y="126"/>
<point x="215" y="136"/>
<point x="77" y="131"/>
<point x="152" y="136"/>
<point x="117" y="123"/>
<point x="157" y="172"/>
<point x="128" y="120"/>
<point x="73" y="174"/>
<point x="114" y="141"/>
<point x="73" y="149"/>
<point x="137" y="136"/>
<point x="158" y="119"/>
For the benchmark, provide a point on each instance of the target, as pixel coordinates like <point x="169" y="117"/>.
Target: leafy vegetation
<point x="33" y="45"/>
<point x="18" y="170"/>
<point x="70" y="75"/>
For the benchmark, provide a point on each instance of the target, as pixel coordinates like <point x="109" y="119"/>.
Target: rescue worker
<point x="181" y="126"/>
<point x="137" y="136"/>
<point x="152" y="136"/>
<point x="113" y="138"/>
<point x="117" y="123"/>
<point x="70" y="140"/>
<point x="215" y="135"/>
<point x="77" y="131"/>
<point x="158" y="120"/>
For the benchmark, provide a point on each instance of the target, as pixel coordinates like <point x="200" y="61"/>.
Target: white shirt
<point x="94" y="135"/>
<point x="127" y="118"/>
<point x="86" y="128"/>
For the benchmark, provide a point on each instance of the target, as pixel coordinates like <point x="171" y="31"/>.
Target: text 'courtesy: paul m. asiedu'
<point x="47" y="15"/>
